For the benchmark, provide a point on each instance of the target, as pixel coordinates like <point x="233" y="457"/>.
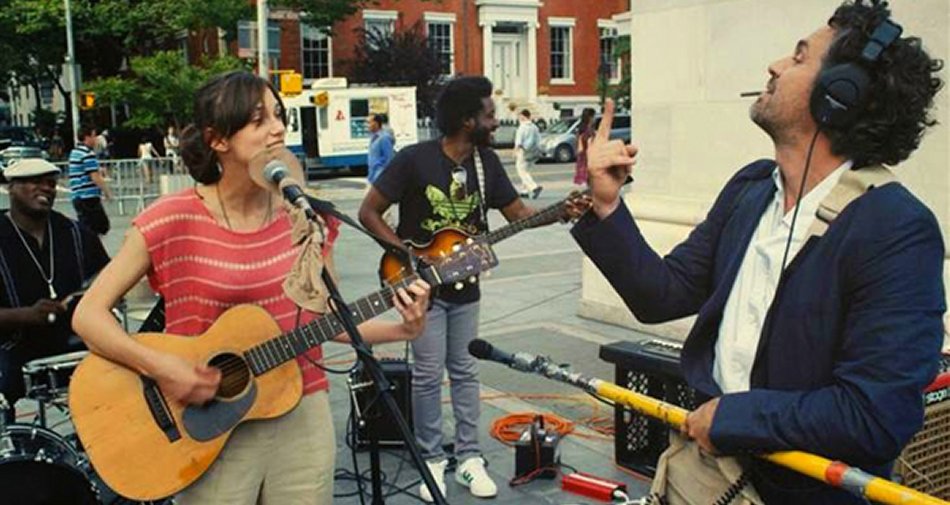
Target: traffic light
<point x="87" y="100"/>
<point x="291" y="83"/>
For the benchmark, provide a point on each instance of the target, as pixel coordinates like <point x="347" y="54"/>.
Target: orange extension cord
<point x="507" y="429"/>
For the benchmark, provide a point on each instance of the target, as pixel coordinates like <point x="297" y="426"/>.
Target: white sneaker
<point x="471" y="474"/>
<point x="438" y="473"/>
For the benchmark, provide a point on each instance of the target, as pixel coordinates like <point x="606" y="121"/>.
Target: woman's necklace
<point x="224" y="212"/>
<point x="52" y="265"/>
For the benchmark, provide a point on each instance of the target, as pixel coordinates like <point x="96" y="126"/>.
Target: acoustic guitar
<point x="147" y="446"/>
<point x="392" y="268"/>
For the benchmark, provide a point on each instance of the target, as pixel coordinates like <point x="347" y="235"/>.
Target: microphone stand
<point x="384" y="390"/>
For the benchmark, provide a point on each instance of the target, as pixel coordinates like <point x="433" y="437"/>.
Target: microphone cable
<point x="798" y="203"/>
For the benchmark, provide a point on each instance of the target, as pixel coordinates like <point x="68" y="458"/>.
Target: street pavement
<point x="529" y="303"/>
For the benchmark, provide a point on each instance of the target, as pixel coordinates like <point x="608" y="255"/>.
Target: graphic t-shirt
<point x="435" y="193"/>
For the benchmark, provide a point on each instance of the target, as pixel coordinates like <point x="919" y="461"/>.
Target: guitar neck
<point x="542" y="216"/>
<point x="279" y="350"/>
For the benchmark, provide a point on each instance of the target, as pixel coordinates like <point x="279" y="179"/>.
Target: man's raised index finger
<point x="607" y="121"/>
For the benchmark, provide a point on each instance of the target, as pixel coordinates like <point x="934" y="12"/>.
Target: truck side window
<point x="359" y="116"/>
<point x="323" y="120"/>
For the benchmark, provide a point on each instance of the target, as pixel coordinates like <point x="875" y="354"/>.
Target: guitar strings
<point x="231" y="367"/>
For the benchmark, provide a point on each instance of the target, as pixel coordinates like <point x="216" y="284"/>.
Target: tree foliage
<point x="620" y="92"/>
<point x="324" y="13"/>
<point x="160" y="88"/>
<point x="107" y="33"/>
<point x="402" y="58"/>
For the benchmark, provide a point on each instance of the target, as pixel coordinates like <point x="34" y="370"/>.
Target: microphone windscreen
<point x="275" y="171"/>
<point x="480" y="348"/>
<point x="276" y="155"/>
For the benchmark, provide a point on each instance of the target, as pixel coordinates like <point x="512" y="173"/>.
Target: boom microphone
<point x="276" y="172"/>
<point x="519" y="361"/>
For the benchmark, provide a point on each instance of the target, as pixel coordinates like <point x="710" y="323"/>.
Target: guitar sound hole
<point x="235" y="375"/>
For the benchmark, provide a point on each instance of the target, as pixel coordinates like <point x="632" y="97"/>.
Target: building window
<point x="316" y="52"/>
<point x="562" y="64"/>
<point x="440" y="42"/>
<point x="608" y="41"/>
<point x="46" y="94"/>
<point x="247" y="41"/>
<point x="380" y="23"/>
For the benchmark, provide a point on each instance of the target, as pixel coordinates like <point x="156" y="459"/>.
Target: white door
<point x="509" y="61"/>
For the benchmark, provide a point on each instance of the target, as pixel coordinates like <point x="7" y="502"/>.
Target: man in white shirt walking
<point x="527" y="151"/>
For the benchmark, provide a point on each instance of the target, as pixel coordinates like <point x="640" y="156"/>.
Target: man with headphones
<point x="816" y="278"/>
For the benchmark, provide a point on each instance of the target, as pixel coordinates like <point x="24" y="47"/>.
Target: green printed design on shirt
<point x="448" y="211"/>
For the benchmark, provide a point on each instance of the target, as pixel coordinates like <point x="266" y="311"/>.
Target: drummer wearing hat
<point x="44" y="257"/>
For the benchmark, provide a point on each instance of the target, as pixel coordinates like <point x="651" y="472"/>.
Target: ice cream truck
<point x="327" y="125"/>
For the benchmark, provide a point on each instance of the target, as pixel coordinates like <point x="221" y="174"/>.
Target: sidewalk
<point x="529" y="303"/>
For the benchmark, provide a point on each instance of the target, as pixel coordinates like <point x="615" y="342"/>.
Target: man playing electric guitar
<point x="450" y="182"/>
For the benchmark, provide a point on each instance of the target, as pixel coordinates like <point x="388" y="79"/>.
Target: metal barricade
<point x="134" y="182"/>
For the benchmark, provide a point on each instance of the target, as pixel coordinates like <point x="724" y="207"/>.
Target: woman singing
<point x="226" y="242"/>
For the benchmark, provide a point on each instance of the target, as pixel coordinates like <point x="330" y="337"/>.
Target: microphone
<point x="521" y="361"/>
<point x="532" y="363"/>
<point x="276" y="172"/>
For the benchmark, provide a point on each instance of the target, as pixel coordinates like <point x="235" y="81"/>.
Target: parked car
<point x="11" y="136"/>
<point x="11" y="154"/>
<point x="560" y="140"/>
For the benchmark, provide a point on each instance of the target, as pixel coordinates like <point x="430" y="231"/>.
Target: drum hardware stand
<point x="43" y="400"/>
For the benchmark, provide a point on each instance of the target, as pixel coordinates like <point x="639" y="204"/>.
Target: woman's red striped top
<point x="203" y="269"/>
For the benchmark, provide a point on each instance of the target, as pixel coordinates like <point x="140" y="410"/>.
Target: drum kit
<point x="40" y="466"/>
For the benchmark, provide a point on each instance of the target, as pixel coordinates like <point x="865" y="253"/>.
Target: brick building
<point x="541" y="55"/>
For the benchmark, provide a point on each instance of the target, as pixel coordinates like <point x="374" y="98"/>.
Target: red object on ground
<point x="591" y="486"/>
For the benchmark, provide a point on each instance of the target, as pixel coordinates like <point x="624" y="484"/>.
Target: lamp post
<point x="262" y="47"/>
<point x="604" y="71"/>
<point x="71" y="70"/>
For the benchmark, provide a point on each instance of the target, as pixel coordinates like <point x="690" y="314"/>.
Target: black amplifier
<point x="369" y="408"/>
<point x="651" y="367"/>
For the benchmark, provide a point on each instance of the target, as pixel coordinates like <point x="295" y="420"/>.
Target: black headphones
<point x="840" y="91"/>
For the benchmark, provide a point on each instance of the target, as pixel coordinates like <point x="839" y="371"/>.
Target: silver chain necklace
<point x="52" y="265"/>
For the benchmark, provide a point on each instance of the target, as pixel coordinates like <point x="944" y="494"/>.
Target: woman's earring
<point x="217" y="166"/>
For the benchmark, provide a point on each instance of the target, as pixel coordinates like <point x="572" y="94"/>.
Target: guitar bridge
<point x="159" y="409"/>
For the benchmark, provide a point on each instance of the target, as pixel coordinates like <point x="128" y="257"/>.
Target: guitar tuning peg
<point x="456" y="248"/>
<point x="472" y="279"/>
<point x="459" y="285"/>
<point x="470" y="241"/>
<point x="443" y="254"/>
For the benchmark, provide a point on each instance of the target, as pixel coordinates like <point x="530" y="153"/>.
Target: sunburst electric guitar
<point x="392" y="268"/>
<point x="147" y="446"/>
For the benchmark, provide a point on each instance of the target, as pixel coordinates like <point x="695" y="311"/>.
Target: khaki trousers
<point x="283" y="461"/>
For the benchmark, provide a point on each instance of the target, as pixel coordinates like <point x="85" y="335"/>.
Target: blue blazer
<point x="852" y="337"/>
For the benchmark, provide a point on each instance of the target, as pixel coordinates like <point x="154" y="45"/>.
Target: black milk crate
<point x="651" y="367"/>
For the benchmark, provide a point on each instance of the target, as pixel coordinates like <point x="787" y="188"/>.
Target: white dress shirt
<point x="754" y="288"/>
